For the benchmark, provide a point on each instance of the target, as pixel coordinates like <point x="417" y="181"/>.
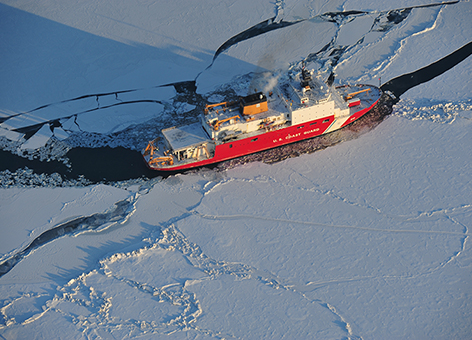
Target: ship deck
<point x="184" y="137"/>
<point x="366" y="98"/>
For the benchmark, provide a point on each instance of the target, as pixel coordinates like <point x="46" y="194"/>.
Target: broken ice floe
<point x="11" y="135"/>
<point x="23" y="178"/>
<point x="39" y="139"/>
<point x="60" y="134"/>
<point x="101" y="113"/>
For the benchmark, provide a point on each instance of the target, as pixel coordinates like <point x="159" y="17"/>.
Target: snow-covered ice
<point x="367" y="239"/>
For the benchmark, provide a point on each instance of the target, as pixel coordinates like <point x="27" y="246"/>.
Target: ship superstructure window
<point x="253" y="140"/>
<point x="314" y="123"/>
<point x="326" y="120"/>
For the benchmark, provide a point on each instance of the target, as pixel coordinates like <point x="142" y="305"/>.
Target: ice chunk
<point x="59" y="133"/>
<point x="11" y="135"/>
<point x="70" y="125"/>
<point x="39" y="139"/>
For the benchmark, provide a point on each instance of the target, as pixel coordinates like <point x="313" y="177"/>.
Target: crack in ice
<point x="97" y="222"/>
<point x="317" y="224"/>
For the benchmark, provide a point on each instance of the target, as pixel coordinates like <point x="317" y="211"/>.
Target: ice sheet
<point x="366" y="239"/>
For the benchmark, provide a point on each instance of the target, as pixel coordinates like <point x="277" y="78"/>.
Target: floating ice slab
<point x="11" y="135"/>
<point x="60" y="134"/>
<point x="39" y="139"/>
<point x="116" y="118"/>
<point x="70" y="124"/>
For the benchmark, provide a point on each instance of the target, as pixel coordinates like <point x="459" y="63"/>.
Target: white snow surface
<point x="367" y="239"/>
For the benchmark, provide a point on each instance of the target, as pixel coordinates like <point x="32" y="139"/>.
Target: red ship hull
<point x="268" y="140"/>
